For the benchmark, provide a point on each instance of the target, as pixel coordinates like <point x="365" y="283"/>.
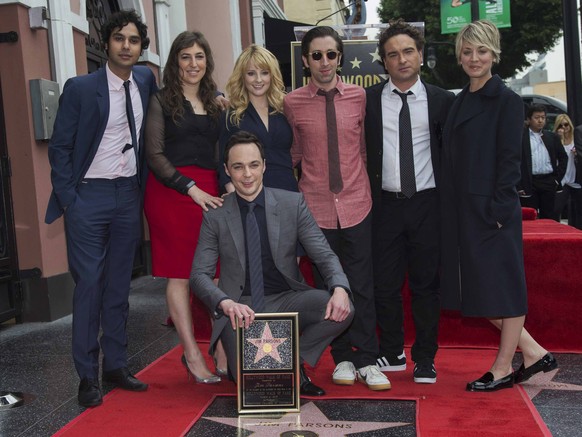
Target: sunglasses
<point x="564" y="125"/>
<point x="316" y="56"/>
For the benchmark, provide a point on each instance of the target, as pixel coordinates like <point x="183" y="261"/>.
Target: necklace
<point x="193" y="104"/>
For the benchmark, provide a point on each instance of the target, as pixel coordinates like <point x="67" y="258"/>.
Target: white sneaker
<point x="373" y="378"/>
<point x="344" y="373"/>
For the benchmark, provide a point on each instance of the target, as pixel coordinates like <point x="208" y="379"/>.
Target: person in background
<point x="96" y="156"/>
<point x="332" y="156"/>
<point x="572" y="190"/>
<point x="256" y="91"/>
<point x="181" y="151"/>
<point x="482" y="270"/>
<point x="543" y="164"/>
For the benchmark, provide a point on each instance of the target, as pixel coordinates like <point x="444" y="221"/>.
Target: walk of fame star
<point x="311" y="417"/>
<point x="267" y="345"/>
<point x="544" y="381"/>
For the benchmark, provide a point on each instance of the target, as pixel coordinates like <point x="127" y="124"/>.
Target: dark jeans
<point x="353" y="247"/>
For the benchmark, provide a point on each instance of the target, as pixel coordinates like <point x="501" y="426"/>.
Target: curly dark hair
<point x="320" y="32"/>
<point x="399" y="27"/>
<point x="119" y="20"/>
<point x="172" y="97"/>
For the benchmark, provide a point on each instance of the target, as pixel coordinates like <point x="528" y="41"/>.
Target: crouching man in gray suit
<point x="282" y="219"/>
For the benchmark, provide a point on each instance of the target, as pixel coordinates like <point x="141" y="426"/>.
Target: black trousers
<point x="359" y="344"/>
<point x="571" y="198"/>
<point x="405" y="237"/>
<point x="543" y="196"/>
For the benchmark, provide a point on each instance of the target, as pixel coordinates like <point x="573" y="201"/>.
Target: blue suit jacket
<point x="79" y="126"/>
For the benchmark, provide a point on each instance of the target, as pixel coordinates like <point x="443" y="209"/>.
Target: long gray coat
<point x="482" y="264"/>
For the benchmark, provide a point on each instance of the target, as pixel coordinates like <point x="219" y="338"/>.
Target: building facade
<point x="42" y="44"/>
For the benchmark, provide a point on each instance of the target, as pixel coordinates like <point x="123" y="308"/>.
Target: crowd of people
<point x="383" y="174"/>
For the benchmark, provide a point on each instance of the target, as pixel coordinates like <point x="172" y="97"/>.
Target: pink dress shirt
<point x="305" y="111"/>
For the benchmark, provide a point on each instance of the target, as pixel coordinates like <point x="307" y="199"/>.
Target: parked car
<point x="554" y="107"/>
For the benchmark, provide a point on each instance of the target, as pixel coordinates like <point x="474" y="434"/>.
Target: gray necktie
<point x="407" y="175"/>
<point x="255" y="260"/>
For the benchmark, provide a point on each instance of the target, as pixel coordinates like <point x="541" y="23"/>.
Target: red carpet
<point x="172" y="404"/>
<point x="554" y="282"/>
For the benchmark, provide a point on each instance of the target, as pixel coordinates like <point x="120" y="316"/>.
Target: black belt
<point x="400" y="195"/>
<point x="542" y="176"/>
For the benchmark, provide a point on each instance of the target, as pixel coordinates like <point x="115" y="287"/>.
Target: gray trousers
<point x="316" y="333"/>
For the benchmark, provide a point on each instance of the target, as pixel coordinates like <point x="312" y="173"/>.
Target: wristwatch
<point x="189" y="185"/>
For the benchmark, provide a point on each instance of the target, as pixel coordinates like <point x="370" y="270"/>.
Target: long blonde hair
<point x="235" y="87"/>
<point x="563" y="118"/>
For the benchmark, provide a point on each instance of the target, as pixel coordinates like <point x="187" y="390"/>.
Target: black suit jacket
<point x="439" y="102"/>
<point x="558" y="158"/>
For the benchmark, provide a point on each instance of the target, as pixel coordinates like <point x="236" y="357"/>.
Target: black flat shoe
<point x="89" y="393"/>
<point x="487" y="383"/>
<point x="123" y="379"/>
<point x="545" y="364"/>
<point x="306" y="387"/>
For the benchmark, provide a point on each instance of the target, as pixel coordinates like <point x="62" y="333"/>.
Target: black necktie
<point x="335" y="175"/>
<point x="407" y="175"/>
<point x="131" y="122"/>
<point x="255" y="261"/>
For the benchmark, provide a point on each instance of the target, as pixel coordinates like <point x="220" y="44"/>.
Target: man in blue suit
<point x="96" y="156"/>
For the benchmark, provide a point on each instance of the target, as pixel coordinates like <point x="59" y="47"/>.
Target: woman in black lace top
<point x="181" y="150"/>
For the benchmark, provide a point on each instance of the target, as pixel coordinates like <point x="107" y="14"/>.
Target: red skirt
<point x="174" y="221"/>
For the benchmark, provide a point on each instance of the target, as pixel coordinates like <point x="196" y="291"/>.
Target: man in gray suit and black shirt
<point x="282" y="218"/>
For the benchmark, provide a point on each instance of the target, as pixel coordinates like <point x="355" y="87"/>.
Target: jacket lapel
<point x="103" y="104"/>
<point x="273" y="223"/>
<point x="234" y="223"/>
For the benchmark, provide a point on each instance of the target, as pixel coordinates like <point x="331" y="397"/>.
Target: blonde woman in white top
<point x="570" y="183"/>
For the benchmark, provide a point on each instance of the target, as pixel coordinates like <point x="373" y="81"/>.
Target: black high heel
<point x="211" y="380"/>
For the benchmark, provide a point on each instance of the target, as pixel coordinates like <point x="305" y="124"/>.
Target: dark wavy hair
<point x="172" y="97"/>
<point x="119" y="20"/>
<point x="321" y="32"/>
<point x="399" y="27"/>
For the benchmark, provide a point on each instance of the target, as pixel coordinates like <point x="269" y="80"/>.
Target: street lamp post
<point x="572" y="61"/>
<point x="356" y="2"/>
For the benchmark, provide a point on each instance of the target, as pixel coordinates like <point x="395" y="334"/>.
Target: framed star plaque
<point x="268" y="364"/>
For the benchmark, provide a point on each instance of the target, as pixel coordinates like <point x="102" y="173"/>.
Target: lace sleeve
<point x="157" y="161"/>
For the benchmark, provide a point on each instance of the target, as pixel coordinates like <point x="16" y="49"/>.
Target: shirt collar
<point x="115" y="82"/>
<point x="313" y="89"/>
<point x="416" y="88"/>
<point x="259" y="200"/>
<point x="538" y="134"/>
